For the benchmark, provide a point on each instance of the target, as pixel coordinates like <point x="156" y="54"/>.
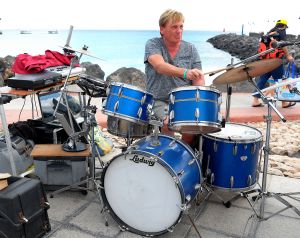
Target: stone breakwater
<point x="284" y="157"/>
<point x="243" y="47"/>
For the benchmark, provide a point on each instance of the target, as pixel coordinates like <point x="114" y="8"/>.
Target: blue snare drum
<point x="127" y="102"/>
<point x="230" y="157"/>
<point x="195" y="110"/>
<point x="147" y="188"/>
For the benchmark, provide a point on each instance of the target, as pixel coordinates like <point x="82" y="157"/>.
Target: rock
<point x="296" y="175"/>
<point x="275" y="172"/>
<point x="130" y="76"/>
<point x="93" y="69"/>
<point x="5" y="68"/>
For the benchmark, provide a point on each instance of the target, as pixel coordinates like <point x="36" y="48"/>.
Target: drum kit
<point x="152" y="183"/>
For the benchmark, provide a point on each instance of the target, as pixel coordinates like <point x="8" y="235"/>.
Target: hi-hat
<point x="81" y="51"/>
<point x="246" y="71"/>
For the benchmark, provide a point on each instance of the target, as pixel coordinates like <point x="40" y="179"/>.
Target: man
<point x="170" y="62"/>
<point x="278" y="33"/>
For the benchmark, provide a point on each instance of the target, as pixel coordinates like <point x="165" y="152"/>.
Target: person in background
<point x="277" y="33"/>
<point x="170" y="62"/>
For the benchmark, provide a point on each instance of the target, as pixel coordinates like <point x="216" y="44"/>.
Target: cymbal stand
<point x="262" y="191"/>
<point x="63" y="94"/>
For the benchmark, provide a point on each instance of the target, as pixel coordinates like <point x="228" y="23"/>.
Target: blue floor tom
<point x="230" y="157"/>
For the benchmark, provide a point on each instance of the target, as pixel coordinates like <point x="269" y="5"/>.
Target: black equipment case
<point x="23" y="209"/>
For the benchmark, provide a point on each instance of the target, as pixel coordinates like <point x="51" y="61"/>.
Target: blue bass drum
<point x="147" y="188"/>
<point x="195" y="110"/>
<point x="127" y="102"/>
<point x="230" y="157"/>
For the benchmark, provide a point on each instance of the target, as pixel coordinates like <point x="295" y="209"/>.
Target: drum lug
<point x="212" y="178"/>
<point x="244" y="158"/>
<point x="116" y="107"/>
<point x="120" y="91"/>
<point x="215" y="146"/>
<point x="160" y="153"/>
<point x="171" y="116"/>
<point x="170" y="229"/>
<point x="191" y="161"/>
<point x="249" y="180"/>
<point x="253" y="148"/>
<point x="172" y="143"/>
<point x="197" y="96"/>
<point x="231" y="181"/>
<point x="143" y="99"/>
<point x="234" y="152"/>
<point x="172" y="98"/>
<point x="181" y="172"/>
<point x="208" y="171"/>
<point x="140" y="111"/>
<point x="220" y="100"/>
<point x="107" y="91"/>
<point x="197" y="113"/>
<point x="198" y="186"/>
<point x="188" y="198"/>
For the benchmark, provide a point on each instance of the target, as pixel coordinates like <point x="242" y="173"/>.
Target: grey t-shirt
<point x="160" y="85"/>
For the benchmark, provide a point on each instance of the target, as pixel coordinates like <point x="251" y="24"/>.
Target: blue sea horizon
<point x="117" y="48"/>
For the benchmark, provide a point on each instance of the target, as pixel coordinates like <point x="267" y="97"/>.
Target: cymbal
<point x="243" y="72"/>
<point x="277" y="85"/>
<point x="81" y="51"/>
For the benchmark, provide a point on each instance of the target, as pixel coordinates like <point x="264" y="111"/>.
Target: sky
<point x="214" y="15"/>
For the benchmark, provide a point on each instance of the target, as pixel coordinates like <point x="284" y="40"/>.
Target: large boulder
<point x="130" y="76"/>
<point x="93" y="69"/>
<point x="5" y="68"/>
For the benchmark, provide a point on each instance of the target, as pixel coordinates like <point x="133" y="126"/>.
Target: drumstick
<point x="277" y="85"/>
<point x="210" y="73"/>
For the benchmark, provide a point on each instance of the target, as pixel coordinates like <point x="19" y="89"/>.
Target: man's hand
<point x="197" y="76"/>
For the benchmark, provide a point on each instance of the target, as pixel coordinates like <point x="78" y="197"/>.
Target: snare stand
<point x="262" y="191"/>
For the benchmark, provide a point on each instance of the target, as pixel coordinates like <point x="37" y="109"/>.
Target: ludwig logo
<point x="137" y="159"/>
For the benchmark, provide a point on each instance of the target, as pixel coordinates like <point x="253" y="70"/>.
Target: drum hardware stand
<point x="228" y="97"/>
<point x="262" y="192"/>
<point x="63" y="94"/>
<point x="90" y="121"/>
<point x="199" y="156"/>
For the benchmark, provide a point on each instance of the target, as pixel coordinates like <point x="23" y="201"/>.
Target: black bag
<point x="23" y="209"/>
<point x="23" y="129"/>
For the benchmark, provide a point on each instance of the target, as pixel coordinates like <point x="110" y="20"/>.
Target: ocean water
<point x="124" y="48"/>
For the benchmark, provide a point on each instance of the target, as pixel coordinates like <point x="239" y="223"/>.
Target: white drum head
<point x="238" y="132"/>
<point x="144" y="197"/>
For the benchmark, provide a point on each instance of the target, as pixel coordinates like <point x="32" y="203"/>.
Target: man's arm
<point x="163" y="67"/>
<point x="287" y="54"/>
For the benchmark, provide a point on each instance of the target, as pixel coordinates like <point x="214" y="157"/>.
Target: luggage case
<point x="23" y="209"/>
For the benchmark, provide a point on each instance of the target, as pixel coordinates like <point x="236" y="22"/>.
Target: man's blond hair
<point x="170" y="16"/>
